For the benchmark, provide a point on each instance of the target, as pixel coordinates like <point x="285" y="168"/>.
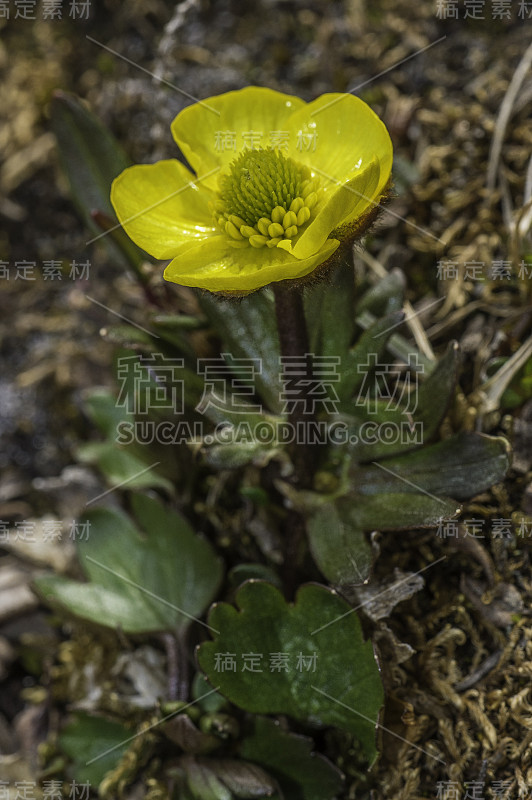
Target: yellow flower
<point x="278" y="184"/>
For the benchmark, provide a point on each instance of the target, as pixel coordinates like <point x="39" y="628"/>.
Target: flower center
<point x="265" y="198"/>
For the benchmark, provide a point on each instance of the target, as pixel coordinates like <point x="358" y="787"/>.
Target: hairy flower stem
<point x="293" y="339"/>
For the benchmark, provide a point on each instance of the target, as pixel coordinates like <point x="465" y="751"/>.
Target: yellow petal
<point x="162" y="207"/>
<point x="213" y="132"/>
<point x="218" y="267"/>
<point x="340" y="135"/>
<point x="348" y="202"/>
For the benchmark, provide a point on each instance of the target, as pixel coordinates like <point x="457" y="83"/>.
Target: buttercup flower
<point x="278" y="184"/>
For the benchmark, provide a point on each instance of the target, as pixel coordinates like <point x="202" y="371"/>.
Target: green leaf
<point x="399" y="510"/>
<point x="91" y="159"/>
<point x="245" y="572"/>
<point x="398" y="346"/>
<point x="130" y="338"/>
<point x="336" y="528"/>
<point x="236" y="454"/>
<point x="459" y="467"/>
<point x="412" y="430"/>
<point x="140" y="379"/>
<point x="159" y="580"/>
<point x="179" y="322"/>
<point x="122" y="468"/>
<point x="173" y="328"/>
<point x="210" y="702"/>
<point x="371" y="345"/>
<point x="247" y="330"/>
<point x="103" y="409"/>
<point x="86" y="738"/>
<point x="338" y="543"/>
<point x="301" y="773"/>
<point x="133" y="466"/>
<point x="385" y="297"/>
<point x="329" y="310"/>
<point x="436" y="392"/>
<point x="331" y="677"/>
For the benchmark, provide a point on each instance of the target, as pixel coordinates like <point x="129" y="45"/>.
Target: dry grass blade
<point x="492" y="390"/>
<point x="504" y="116"/>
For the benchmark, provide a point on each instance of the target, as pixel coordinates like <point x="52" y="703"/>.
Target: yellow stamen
<point x="265" y="198"/>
